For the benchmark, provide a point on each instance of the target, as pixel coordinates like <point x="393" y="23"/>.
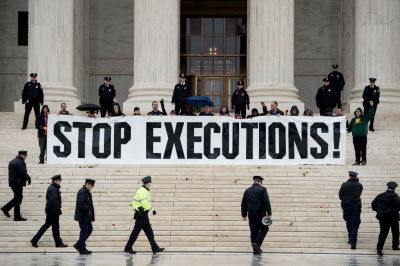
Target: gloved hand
<point x="248" y="107"/>
<point x="154" y="212"/>
<point x="29" y="182"/>
<point x="59" y="212"/>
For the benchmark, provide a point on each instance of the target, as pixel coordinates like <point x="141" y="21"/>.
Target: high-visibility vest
<point x="142" y="199"/>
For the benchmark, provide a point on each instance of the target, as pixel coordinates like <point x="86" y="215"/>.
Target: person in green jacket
<point x="359" y="128"/>
<point x="141" y="205"/>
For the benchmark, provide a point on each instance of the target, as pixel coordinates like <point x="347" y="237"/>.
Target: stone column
<point x="56" y="49"/>
<point x="377" y="51"/>
<point x="156" y="53"/>
<point x="271" y="53"/>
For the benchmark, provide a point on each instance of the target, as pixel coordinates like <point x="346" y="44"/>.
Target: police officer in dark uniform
<point x="350" y="195"/>
<point x="53" y="212"/>
<point x="32" y="97"/>
<point x="387" y="207"/>
<point x="336" y="80"/>
<point x="107" y="95"/>
<point x="181" y="92"/>
<point x="84" y="214"/>
<point x="17" y="178"/>
<point x="326" y="98"/>
<point x="255" y="205"/>
<point x="371" y="93"/>
<point x="240" y="99"/>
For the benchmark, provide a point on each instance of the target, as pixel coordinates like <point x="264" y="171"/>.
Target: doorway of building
<point x="213" y="52"/>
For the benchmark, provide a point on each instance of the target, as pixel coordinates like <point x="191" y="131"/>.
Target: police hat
<point x="146" y="179"/>
<point x="240" y="82"/>
<point x="90" y="181"/>
<point x="56" y="177"/>
<point x="352" y="173"/>
<point x="182" y="76"/>
<point x="392" y="184"/>
<point x="34" y="75"/>
<point x="335" y="66"/>
<point x="259" y="178"/>
<point x="107" y="78"/>
<point x="22" y="152"/>
<point x="325" y="80"/>
<point x="372" y="79"/>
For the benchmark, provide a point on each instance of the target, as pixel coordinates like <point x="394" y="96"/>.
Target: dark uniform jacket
<point x="64" y="113"/>
<point x="154" y="113"/>
<point x="106" y="94"/>
<point x="255" y="198"/>
<point x="386" y="204"/>
<point x="17" y="173"/>
<point x="33" y="92"/>
<point x="53" y="200"/>
<point x="240" y="97"/>
<point x="84" y="210"/>
<point x="326" y="97"/>
<point x="371" y="94"/>
<point x="350" y="193"/>
<point x="181" y="92"/>
<point x="336" y="80"/>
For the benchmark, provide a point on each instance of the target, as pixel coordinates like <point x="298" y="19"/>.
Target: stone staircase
<point x="198" y="208"/>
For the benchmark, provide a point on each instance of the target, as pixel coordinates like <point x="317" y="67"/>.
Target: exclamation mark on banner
<point x="336" y="139"/>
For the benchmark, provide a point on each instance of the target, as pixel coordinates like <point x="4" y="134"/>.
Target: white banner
<point x="265" y="140"/>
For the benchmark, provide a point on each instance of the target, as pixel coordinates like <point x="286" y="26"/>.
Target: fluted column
<point x="377" y="51"/>
<point x="271" y="53"/>
<point x="156" y="53"/>
<point x="56" y="49"/>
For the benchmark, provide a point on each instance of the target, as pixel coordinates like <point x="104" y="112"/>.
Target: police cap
<point x="33" y="75"/>
<point x="258" y="178"/>
<point x="325" y="80"/>
<point x="22" y="152"/>
<point x="56" y="177"/>
<point x="107" y="78"/>
<point x="146" y="179"/>
<point x="372" y="79"/>
<point x="392" y="184"/>
<point x="335" y="66"/>
<point x="182" y="76"/>
<point x="240" y="82"/>
<point x="352" y="173"/>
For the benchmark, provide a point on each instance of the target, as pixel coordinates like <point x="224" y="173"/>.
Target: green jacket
<point x="359" y="125"/>
<point x="142" y="199"/>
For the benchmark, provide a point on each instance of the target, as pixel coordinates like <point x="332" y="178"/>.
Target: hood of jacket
<point x="358" y="109"/>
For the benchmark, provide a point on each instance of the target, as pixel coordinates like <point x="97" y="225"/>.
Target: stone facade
<point x="101" y="39"/>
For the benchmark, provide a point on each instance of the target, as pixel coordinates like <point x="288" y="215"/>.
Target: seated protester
<point x="189" y="110"/>
<point x="116" y="111"/>
<point x="238" y="116"/>
<point x="155" y="111"/>
<point x="163" y="107"/>
<point x="172" y="113"/>
<point x="308" y="112"/>
<point x="41" y="125"/>
<point x="136" y="111"/>
<point x="224" y="111"/>
<point x="254" y="111"/>
<point x="328" y="112"/>
<point x="207" y="111"/>
<point x="294" y="111"/>
<point x="63" y="110"/>
<point x="275" y="110"/>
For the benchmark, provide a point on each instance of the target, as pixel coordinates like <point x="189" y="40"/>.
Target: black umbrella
<point x="89" y="107"/>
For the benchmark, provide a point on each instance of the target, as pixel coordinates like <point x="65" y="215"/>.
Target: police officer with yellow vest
<point x="141" y="204"/>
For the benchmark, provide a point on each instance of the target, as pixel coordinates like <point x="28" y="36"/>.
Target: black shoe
<point x="62" y="245"/>
<point x="41" y="162"/>
<point x="130" y="251"/>
<point x="371" y="129"/>
<point x="158" y="250"/>
<point x="256" y="248"/>
<point x="5" y="212"/>
<point x="23" y="128"/>
<point x="380" y="253"/>
<point x="77" y="249"/>
<point x="20" y="219"/>
<point x="85" y="252"/>
<point x="348" y="241"/>
<point x="353" y="247"/>
<point x="34" y="244"/>
<point x="256" y="253"/>
<point x="356" y="163"/>
<point x="363" y="163"/>
<point x="397" y="248"/>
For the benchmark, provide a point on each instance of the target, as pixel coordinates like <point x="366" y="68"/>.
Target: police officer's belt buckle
<point x="266" y="221"/>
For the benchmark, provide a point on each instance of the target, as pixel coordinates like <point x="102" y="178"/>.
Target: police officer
<point x="32" y="97"/>
<point x="84" y="214"/>
<point x="181" y="92"/>
<point x="371" y="93"/>
<point x="17" y="178"/>
<point x="255" y="205"/>
<point x="141" y="205"/>
<point x="53" y="212"/>
<point x="107" y="95"/>
<point x="387" y="206"/>
<point x="240" y="99"/>
<point x="336" y="80"/>
<point x="350" y="195"/>
<point x="326" y="98"/>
